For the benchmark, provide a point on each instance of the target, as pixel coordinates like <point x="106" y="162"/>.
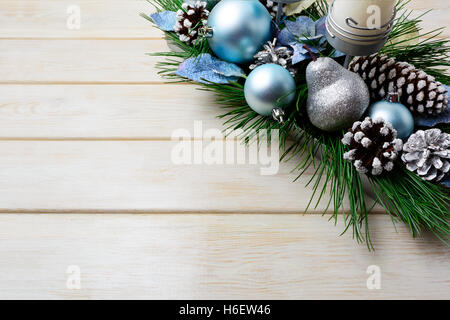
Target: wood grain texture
<point x="100" y="19"/>
<point x="138" y="176"/>
<point x="117" y="19"/>
<point x="213" y="257"/>
<point x="102" y="112"/>
<point x="85" y="126"/>
<point x="80" y="61"/>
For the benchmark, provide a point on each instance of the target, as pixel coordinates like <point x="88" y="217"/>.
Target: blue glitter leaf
<point x="206" y="68"/>
<point x="302" y="27"/>
<point x="430" y="122"/>
<point x="285" y="38"/>
<point x="321" y="26"/>
<point x="165" y="20"/>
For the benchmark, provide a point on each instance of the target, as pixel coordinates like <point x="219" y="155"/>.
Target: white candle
<point x="360" y="27"/>
<point x="371" y="14"/>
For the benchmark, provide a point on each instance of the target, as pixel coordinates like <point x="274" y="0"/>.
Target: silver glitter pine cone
<point x="190" y="18"/>
<point x="273" y="54"/>
<point x="418" y="91"/>
<point x="427" y="153"/>
<point x="373" y="146"/>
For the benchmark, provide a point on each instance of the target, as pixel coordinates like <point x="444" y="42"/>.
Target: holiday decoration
<point x="336" y="97"/>
<point x="297" y="7"/>
<point x="272" y="7"/>
<point x="310" y="110"/>
<point x="352" y="29"/>
<point x="209" y="3"/>
<point x="395" y="113"/>
<point x="421" y="93"/>
<point x="269" y="87"/>
<point x="273" y="54"/>
<point x="165" y="20"/>
<point x="190" y="18"/>
<point x="206" y="68"/>
<point x="428" y="154"/>
<point x="304" y="31"/>
<point x="238" y="29"/>
<point x="373" y="146"/>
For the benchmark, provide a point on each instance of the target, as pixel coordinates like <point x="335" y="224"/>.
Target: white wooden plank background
<point x="85" y="127"/>
<point x="212" y="257"/>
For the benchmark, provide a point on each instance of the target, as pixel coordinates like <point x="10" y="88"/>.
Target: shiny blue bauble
<point x="239" y="29"/>
<point x="268" y="87"/>
<point x="395" y="113"/>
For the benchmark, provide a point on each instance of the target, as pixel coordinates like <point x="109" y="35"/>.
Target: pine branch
<point x="419" y="204"/>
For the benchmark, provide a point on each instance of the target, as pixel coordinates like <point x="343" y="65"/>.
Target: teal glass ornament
<point x="269" y="87"/>
<point x="396" y="113"/>
<point x="238" y="29"/>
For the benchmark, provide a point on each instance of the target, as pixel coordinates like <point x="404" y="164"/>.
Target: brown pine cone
<point x="373" y="146"/>
<point x="190" y="17"/>
<point x="420" y="92"/>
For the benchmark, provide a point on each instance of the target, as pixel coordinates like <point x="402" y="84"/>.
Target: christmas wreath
<point x="290" y="66"/>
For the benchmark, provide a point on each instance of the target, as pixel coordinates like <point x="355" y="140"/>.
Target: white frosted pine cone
<point x="373" y="146"/>
<point x="420" y="92"/>
<point x="190" y="18"/>
<point x="427" y="153"/>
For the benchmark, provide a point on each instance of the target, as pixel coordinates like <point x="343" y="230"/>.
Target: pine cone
<point x="190" y="17"/>
<point x="373" y="146"/>
<point x="272" y="7"/>
<point x="421" y="93"/>
<point x="272" y="54"/>
<point x="428" y="154"/>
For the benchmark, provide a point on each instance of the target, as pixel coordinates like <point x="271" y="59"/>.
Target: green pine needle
<point x="419" y="204"/>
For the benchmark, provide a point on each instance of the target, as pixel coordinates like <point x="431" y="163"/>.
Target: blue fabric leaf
<point x="206" y="68"/>
<point x="304" y="31"/>
<point x="321" y="26"/>
<point x="285" y="38"/>
<point x="443" y="118"/>
<point x="165" y="20"/>
<point x="302" y="27"/>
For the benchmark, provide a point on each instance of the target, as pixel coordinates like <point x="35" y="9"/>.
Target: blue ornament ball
<point x="396" y="113"/>
<point x="268" y="87"/>
<point x="239" y="29"/>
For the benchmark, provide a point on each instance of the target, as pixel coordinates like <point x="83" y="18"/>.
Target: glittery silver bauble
<point x="239" y="29"/>
<point x="336" y="97"/>
<point x="268" y="87"/>
<point x="395" y="113"/>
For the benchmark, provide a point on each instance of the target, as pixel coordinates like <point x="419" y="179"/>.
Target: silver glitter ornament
<point x="336" y="97"/>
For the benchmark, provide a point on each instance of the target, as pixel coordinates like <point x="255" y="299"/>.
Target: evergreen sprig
<point x="421" y="205"/>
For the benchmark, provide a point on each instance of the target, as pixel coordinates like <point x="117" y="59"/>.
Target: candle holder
<point x="354" y="40"/>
